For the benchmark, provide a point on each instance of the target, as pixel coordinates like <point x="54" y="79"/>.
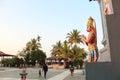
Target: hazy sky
<point x="21" y="20"/>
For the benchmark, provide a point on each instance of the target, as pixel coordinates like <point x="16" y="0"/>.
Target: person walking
<point x="72" y="70"/>
<point x="40" y="73"/>
<point x="45" y="69"/>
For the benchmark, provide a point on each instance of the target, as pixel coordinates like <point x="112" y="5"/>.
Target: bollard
<point x="23" y="74"/>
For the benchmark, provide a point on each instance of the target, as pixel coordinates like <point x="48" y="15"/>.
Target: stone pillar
<point x="105" y="52"/>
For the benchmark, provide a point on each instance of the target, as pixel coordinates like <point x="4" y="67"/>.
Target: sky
<point x="22" y="20"/>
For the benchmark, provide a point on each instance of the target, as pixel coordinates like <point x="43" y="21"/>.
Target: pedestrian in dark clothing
<point x="45" y="69"/>
<point x="72" y="70"/>
<point x="40" y="73"/>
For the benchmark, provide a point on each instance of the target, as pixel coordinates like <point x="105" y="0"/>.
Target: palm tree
<point x="65" y="50"/>
<point x="69" y="52"/>
<point x="76" y="52"/>
<point x="34" y="44"/>
<point x="31" y="46"/>
<point x="56" y="50"/>
<point x="22" y="53"/>
<point x="74" y="37"/>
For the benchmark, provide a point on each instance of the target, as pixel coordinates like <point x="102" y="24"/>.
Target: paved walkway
<point x="52" y="75"/>
<point x="78" y="75"/>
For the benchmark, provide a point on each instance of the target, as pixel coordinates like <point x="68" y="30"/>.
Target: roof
<point x="4" y="54"/>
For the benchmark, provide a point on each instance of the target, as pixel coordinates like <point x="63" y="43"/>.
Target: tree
<point x="74" y="37"/>
<point x="22" y="53"/>
<point x="32" y="53"/>
<point x="56" y="50"/>
<point x="33" y="45"/>
<point x="71" y="52"/>
<point x="65" y="50"/>
<point x="36" y="55"/>
<point x="76" y="52"/>
<point x="13" y="62"/>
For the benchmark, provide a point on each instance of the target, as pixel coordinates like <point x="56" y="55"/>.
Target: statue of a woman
<point x="91" y="40"/>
